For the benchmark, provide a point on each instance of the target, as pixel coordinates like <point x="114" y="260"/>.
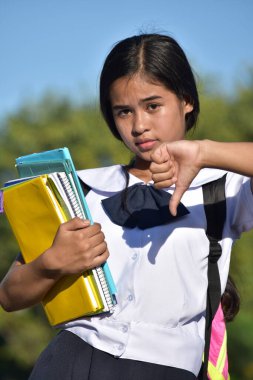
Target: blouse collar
<point x="112" y="178"/>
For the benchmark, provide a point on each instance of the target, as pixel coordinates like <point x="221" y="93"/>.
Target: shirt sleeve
<point x="239" y="204"/>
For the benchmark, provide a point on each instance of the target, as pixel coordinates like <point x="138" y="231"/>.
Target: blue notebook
<point x="59" y="160"/>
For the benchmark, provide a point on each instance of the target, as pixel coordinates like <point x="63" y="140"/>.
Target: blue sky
<point x="60" y="45"/>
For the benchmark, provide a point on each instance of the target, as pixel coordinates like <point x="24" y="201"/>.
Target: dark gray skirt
<point x="68" y="357"/>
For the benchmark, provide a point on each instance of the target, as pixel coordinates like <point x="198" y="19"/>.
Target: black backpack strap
<point x="215" y="209"/>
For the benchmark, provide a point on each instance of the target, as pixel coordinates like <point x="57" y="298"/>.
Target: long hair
<point x="230" y="300"/>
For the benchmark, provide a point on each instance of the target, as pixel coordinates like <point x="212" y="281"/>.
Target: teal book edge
<point x="58" y="160"/>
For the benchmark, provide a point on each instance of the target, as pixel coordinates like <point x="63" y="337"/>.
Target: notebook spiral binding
<point x="105" y="288"/>
<point x="65" y="181"/>
<point x="71" y="195"/>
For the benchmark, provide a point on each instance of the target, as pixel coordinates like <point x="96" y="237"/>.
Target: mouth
<point x="145" y="145"/>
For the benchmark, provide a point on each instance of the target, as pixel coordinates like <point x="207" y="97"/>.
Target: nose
<point x="139" y="124"/>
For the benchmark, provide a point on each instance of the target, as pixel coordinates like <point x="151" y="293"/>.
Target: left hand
<point x="175" y="163"/>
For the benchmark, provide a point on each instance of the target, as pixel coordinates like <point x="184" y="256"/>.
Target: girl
<point x="158" y="247"/>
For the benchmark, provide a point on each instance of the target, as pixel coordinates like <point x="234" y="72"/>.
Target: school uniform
<point x="161" y="278"/>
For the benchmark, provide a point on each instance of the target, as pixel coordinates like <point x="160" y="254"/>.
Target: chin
<point x="143" y="160"/>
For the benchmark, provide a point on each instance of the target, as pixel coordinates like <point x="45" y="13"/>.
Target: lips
<point x="144" y="145"/>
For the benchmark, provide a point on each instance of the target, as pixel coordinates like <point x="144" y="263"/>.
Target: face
<point x="146" y="114"/>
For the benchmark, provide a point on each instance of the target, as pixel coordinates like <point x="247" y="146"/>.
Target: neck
<point x="140" y="169"/>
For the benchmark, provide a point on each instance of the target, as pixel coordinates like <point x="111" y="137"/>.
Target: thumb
<point x="175" y="200"/>
<point x="76" y="224"/>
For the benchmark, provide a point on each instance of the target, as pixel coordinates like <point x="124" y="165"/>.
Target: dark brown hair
<point x="160" y="58"/>
<point x="230" y="301"/>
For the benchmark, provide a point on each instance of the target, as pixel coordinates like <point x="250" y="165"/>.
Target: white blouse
<point x="161" y="273"/>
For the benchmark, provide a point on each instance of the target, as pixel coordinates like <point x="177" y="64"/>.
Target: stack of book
<point x="47" y="194"/>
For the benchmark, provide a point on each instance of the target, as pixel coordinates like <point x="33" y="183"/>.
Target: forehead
<point x="135" y="86"/>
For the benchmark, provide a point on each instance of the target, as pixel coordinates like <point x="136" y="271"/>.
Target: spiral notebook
<point x="34" y="212"/>
<point x="60" y="160"/>
<point x="58" y="165"/>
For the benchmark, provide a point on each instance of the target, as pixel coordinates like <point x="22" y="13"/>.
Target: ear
<point x="188" y="107"/>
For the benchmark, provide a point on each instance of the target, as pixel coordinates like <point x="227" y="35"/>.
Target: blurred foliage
<point x="55" y="122"/>
<point x="23" y="335"/>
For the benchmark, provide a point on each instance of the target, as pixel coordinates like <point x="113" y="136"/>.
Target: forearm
<point x="236" y="157"/>
<point x="26" y="284"/>
<point x="178" y="163"/>
<point x="76" y="248"/>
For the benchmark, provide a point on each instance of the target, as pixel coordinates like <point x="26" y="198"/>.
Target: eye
<point x="124" y="112"/>
<point x="153" y="106"/>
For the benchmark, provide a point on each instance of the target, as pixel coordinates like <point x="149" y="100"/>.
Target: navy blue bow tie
<point x="141" y="206"/>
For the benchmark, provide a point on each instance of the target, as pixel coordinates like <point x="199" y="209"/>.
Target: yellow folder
<point x="35" y="214"/>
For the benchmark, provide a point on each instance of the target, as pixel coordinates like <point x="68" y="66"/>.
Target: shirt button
<point x="120" y="347"/>
<point x="134" y="257"/>
<point x="130" y="297"/>
<point x="124" y="329"/>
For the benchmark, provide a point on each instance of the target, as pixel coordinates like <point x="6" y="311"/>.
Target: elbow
<point x="10" y="302"/>
<point x="6" y="307"/>
<point x="6" y="303"/>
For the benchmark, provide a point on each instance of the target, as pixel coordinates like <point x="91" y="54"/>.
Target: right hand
<point x="77" y="247"/>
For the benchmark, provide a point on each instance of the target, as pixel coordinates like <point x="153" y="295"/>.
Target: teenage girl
<point x="158" y="246"/>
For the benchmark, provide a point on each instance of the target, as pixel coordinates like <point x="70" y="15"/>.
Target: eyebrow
<point x="148" y="99"/>
<point x="154" y="97"/>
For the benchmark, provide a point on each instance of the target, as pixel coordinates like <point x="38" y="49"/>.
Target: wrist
<point x="204" y="155"/>
<point x="48" y="265"/>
